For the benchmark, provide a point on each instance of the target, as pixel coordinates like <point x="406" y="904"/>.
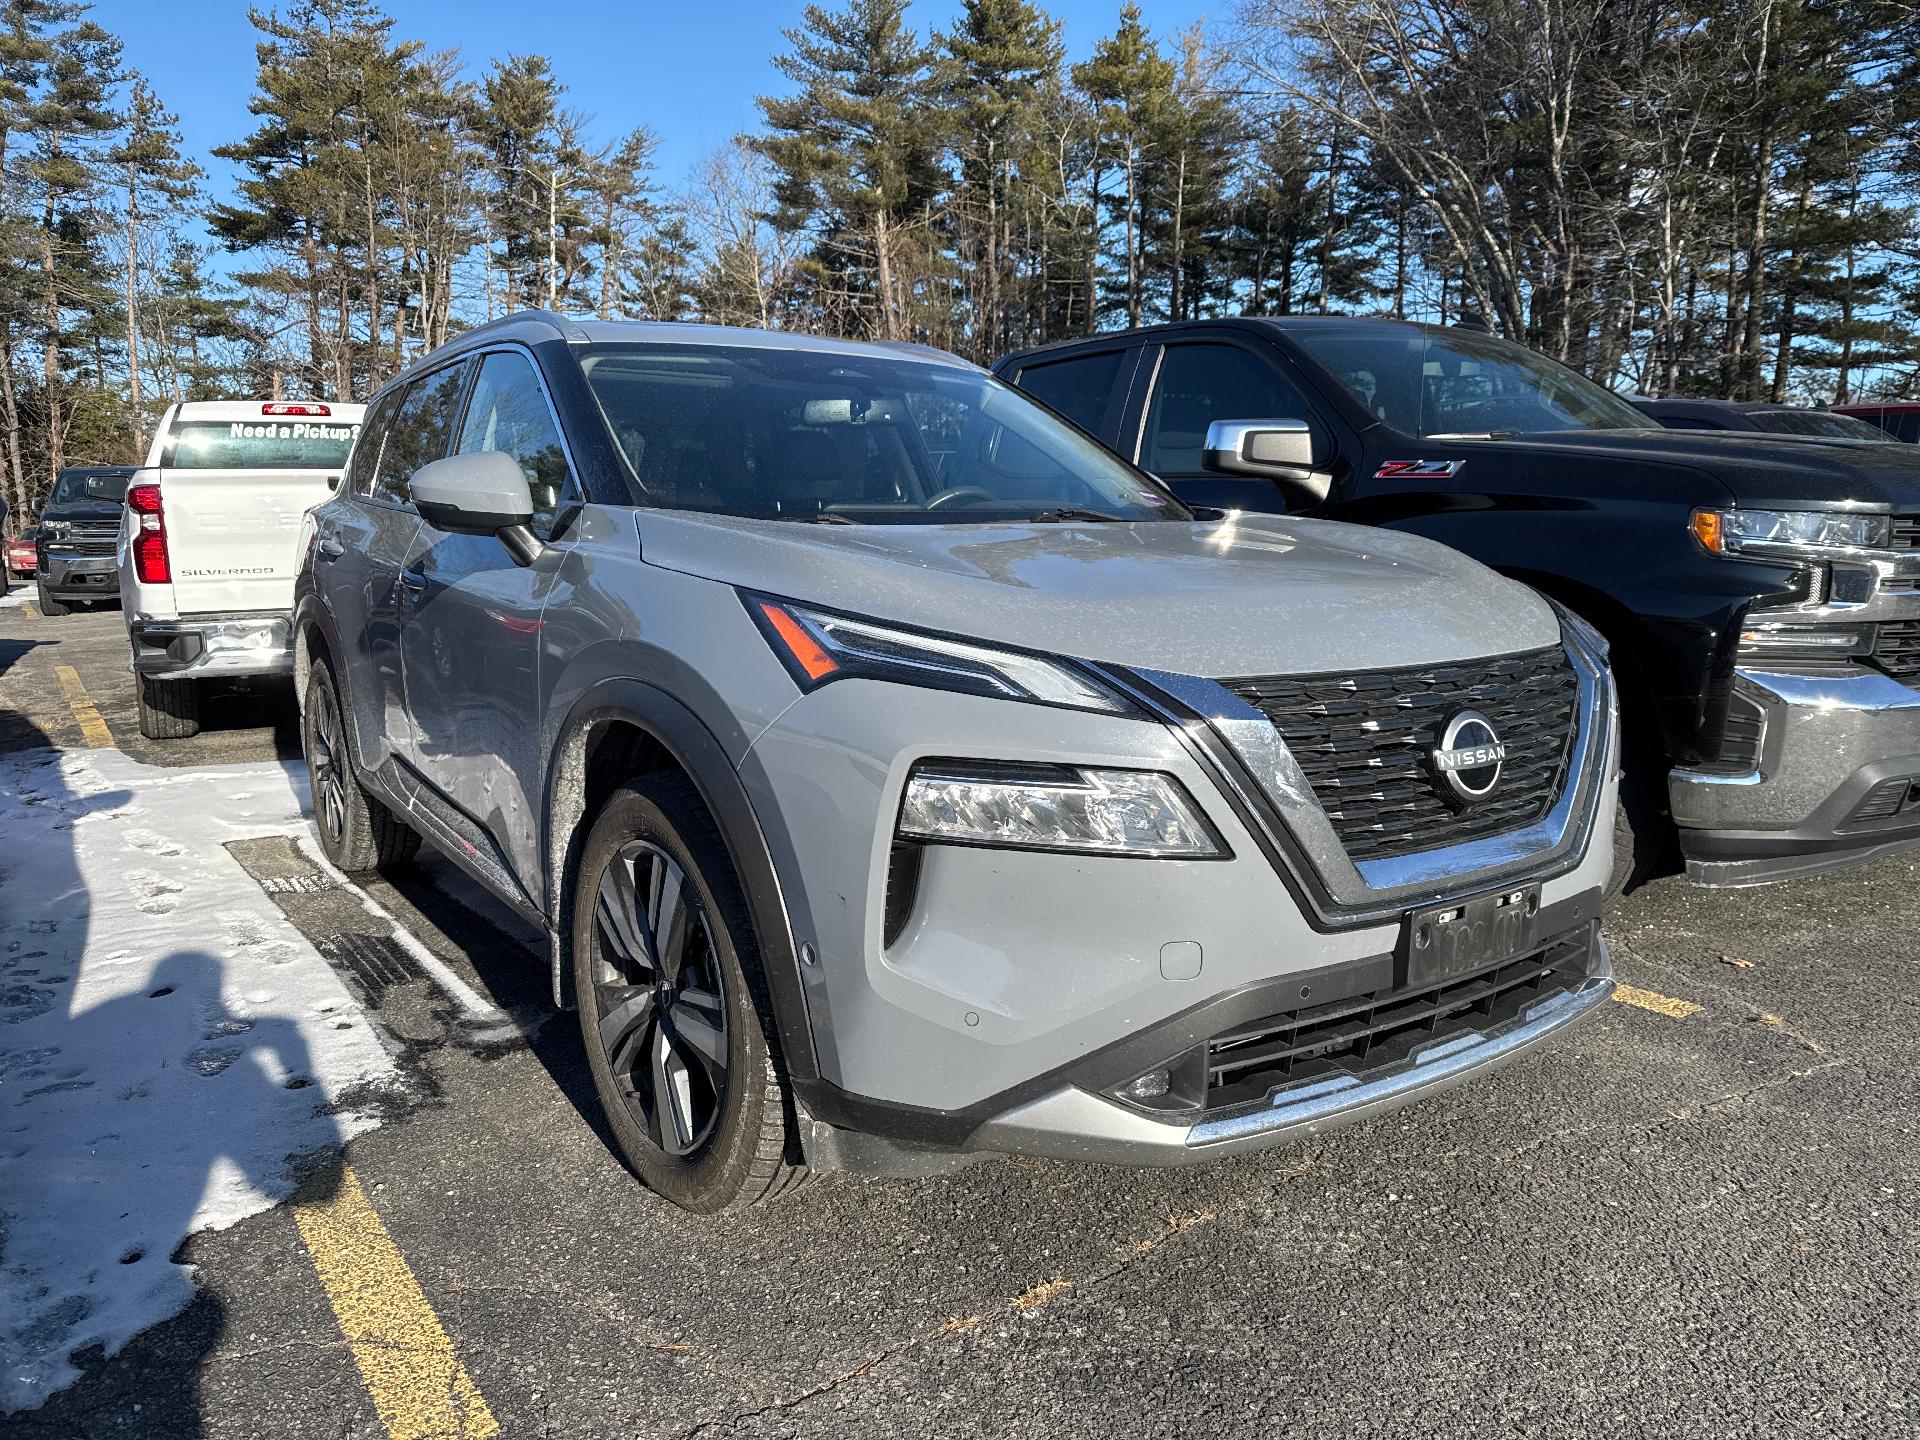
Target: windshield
<point x="801" y="435"/>
<point x="259" y="445"/>
<point x="1452" y="382"/>
<point x="1814" y="422"/>
<point x="75" y="487"/>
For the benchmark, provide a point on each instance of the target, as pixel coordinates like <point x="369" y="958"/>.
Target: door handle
<point x="331" y="548"/>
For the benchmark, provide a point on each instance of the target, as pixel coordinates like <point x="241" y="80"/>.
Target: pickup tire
<point x="357" y="832"/>
<point x="169" y="709"/>
<point x="48" y="605"/>
<point x="674" y="1008"/>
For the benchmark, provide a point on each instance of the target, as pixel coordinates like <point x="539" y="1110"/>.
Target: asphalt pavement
<point x="1696" y="1216"/>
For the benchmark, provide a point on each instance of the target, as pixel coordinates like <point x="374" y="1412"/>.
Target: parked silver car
<point x="903" y="778"/>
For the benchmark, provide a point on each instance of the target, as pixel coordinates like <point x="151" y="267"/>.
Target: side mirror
<point x="480" y="494"/>
<point x="1277" y="450"/>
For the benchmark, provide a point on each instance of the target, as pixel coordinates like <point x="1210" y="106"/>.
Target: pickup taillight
<point x="149" y="536"/>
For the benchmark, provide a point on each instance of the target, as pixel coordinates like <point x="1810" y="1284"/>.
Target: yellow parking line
<point x="1659" y="1004"/>
<point x="418" y="1384"/>
<point x="92" y="728"/>
<point x="31" y="611"/>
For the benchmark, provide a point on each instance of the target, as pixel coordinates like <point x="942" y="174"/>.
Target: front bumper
<point x="1007" y="1005"/>
<point x="1837" y="781"/>
<point x="69" y="574"/>
<point x="206" y="646"/>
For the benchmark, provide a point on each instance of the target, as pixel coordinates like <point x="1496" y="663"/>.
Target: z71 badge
<point x="1419" y="469"/>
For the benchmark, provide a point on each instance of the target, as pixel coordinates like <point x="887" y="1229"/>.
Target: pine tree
<point x="1130" y="85"/>
<point x="996" y="65"/>
<point x="154" y="180"/>
<point x="854" y="158"/>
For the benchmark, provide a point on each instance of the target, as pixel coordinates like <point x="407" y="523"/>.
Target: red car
<point x="20" y="552"/>
<point x="1899" y="418"/>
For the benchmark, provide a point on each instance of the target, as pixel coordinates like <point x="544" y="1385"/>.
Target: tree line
<point x="1711" y="197"/>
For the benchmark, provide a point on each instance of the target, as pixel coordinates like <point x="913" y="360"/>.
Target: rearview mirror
<point x="480" y="494"/>
<point x="1277" y="450"/>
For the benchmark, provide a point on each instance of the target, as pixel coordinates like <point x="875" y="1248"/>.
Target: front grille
<point x="1906" y="532"/>
<point x="91" y="537"/>
<point x="1364" y="739"/>
<point x="1366" y="1033"/>
<point x="1896" y="649"/>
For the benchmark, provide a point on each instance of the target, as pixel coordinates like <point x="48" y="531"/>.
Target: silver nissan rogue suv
<point x="902" y="778"/>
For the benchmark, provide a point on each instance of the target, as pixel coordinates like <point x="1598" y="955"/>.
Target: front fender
<point x="687" y="742"/>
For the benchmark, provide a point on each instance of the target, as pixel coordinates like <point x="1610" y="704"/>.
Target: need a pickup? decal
<point x="1419" y="469"/>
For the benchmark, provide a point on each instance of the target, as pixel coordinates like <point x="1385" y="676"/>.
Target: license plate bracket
<point x="1444" y="942"/>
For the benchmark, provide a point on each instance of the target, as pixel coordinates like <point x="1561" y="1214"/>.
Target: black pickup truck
<point x="1761" y="594"/>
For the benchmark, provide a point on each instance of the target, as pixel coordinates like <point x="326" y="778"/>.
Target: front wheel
<point x="49" y="603"/>
<point x="675" y="1014"/>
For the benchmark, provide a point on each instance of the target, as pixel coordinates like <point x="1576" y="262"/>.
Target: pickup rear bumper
<point x="1836" y="781"/>
<point x="205" y="646"/>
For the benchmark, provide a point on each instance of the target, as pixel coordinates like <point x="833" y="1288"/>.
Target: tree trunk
<point x="50" y="362"/>
<point x="883" y="279"/>
<point x="134" y="403"/>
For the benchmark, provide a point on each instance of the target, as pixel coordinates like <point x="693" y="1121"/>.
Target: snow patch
<point x="169" y="1043"/>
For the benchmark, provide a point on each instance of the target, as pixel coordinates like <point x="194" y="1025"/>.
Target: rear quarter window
<point x="1077" y="387"/>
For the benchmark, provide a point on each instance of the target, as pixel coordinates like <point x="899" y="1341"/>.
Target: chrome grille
<point x="1896" y="649"/>
<point x="1364" y="741"/>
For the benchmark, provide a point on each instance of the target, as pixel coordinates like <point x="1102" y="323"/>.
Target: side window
<point x="509" y="413"/>
<point x="366" y="446"/>
<point x="419" y="433"/>
<point x="1199" y="384"/>
<point x="1906" y="424"/>
<point x="1077" y="388"/>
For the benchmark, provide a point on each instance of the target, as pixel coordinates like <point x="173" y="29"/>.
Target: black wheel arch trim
<point x="684" y="737"/>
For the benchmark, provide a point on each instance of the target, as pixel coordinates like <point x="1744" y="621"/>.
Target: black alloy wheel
<point x="327" y="766"/>
<point x="659" y="998"/>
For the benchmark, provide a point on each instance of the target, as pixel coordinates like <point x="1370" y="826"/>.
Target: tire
<point x="169" y="709"/>
<point x="701" y="1020"/>
<point x="1643" y="837"/>
<point x="48" y="605"/>
<point x="357" y="832"/>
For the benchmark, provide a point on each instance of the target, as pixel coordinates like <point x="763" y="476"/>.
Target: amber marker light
<point x="813" y="661"/>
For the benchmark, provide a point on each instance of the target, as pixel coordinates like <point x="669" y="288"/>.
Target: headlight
<point x="1728" y="532"/>
<point x="1050" y="807"/>
<point x="1804" y="644"/>
<point x="55" y="529"/>
<point x="818" y="646"/>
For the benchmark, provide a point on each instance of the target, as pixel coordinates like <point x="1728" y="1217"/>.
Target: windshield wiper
<point x="823" y="517"/>
<point x="1073" y="512"/>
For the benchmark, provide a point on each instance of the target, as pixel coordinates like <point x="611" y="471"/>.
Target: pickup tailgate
<point x="232" y="535"/>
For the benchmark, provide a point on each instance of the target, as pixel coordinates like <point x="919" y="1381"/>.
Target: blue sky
<point x="688" y="70"/>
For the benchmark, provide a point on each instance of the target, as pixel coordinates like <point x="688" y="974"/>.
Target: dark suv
<point x="79" y="530"/>
<point x="903" y="778"/>
<point x="1762" y="594"/>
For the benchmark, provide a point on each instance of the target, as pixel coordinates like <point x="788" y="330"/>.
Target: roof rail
<point x="566" y="325"/>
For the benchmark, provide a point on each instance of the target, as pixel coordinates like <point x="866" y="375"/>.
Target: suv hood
<point x="1248" y="595"/>
<point x="1761" y="471"/>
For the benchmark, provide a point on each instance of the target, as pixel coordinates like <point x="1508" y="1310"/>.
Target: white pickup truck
<point x="208" y="546"/>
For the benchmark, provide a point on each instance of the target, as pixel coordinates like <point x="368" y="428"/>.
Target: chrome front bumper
<point x="1834" y="751"/>
<point x="205" y="646"/>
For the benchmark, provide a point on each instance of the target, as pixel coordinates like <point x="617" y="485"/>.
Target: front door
<point x="470" y="638"/>
<point x="1195" y="383"/>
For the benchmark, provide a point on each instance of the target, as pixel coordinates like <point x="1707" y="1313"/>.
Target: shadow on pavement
<point x="130" y="1116"/>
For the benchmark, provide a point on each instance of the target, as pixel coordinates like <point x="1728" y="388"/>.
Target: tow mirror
<point x="1278" y="450"/>
<point x="479" y="494"/>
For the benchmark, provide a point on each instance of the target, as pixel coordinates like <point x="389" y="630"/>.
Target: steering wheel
<point x="947" y="498"/>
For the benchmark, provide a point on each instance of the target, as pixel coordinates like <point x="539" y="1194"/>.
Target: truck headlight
<point x="55" y="529"/>
<point x="1762" y="642"/>
<point x="1056" y="807"/>
<point x="1730" y="532"/>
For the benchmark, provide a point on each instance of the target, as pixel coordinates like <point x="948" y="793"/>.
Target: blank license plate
<point x="1452" y="940"/>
